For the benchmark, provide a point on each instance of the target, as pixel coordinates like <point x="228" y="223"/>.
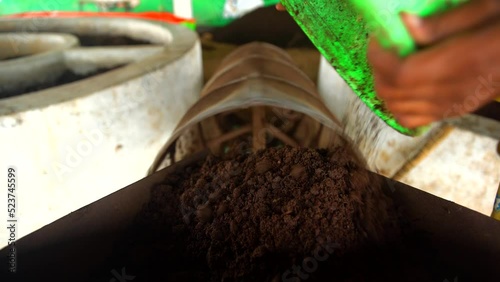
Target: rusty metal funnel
<point x="257" y="98"/>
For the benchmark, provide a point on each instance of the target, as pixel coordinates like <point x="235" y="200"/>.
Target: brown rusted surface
<point x="306" y="59"/>
<point x="258" y="129"/>
<point x="256" y="99"/>
<point x="258" y="60"/>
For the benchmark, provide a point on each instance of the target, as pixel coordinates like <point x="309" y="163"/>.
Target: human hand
<point x="456" y="71"/>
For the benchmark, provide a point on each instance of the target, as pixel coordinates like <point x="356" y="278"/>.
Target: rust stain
<point x="156" y="118"/>
<point x="383" y="172"/>
<point x="384" y="156"/>
<point x="391" y="143"/>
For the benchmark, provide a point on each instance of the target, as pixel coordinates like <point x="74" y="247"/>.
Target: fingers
<point x="416" y="110"/>
<point x="395" y="95"/>
<point x="413" y="121"/>
<point x="430" y="99"/>
<point x="435" y="102"/>
<point x="441" y="80"/>
<point x="385" y="63"/>
<point x="453" y="60"/>
<point x="412" y="114"/>
<point x="280" y="7"/>
<point x="414" y="107"/>
<point x="462" y="18"/>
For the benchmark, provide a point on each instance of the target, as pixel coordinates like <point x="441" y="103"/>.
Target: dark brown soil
<point x="259" y="214"/>
<point x="277" y="215"/>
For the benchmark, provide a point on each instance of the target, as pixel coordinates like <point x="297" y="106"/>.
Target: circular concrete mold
<point x="38" y="57"/>
<point x="75" y="141"/>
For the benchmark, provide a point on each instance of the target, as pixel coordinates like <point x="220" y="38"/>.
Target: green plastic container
<point x="223" y="12"/>
<point x="21" y="6"/>
<point x="340" y="30"/>
<point x="205" y="12"/>
<point x="383" y="17"/>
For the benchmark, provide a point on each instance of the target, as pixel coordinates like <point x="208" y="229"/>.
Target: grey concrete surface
<point x="29" y="59"/>
<point x="75" y="143"/>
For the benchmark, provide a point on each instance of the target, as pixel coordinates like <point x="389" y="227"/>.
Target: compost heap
<point x="280" y="205"/>
<point x="256" y="216"/>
